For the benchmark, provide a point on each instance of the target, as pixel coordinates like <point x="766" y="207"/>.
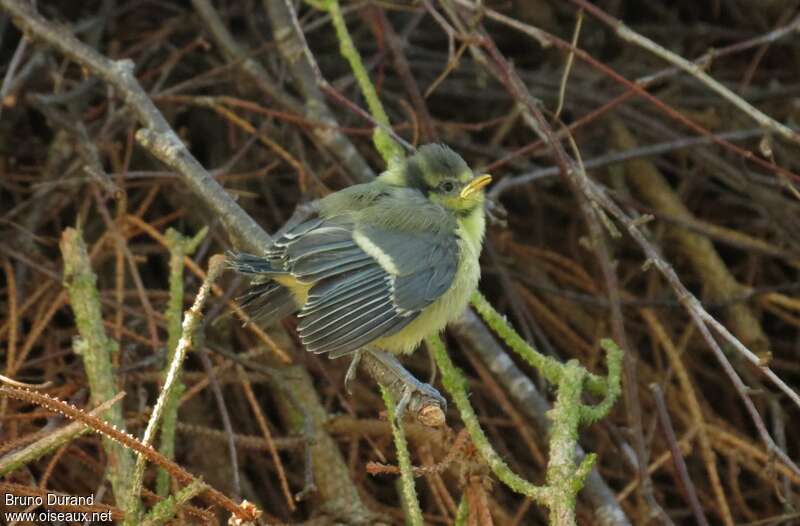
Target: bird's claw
<point x="402" y="404"/>
<point x="429" y="405"/>
<point x="421" y="399"/>
<point x="352" y="371"/>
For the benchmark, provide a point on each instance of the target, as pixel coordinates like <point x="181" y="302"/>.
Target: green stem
<point x="386" y="146"/>
<point x="456" y="385"/>
<point x="614" y="355"/>
<point x="166" y="510"/>
<point x="564" y="478"/>
<point x="410" y="499"/>
<point x="188" y="327"/>
<point x="179" y="247"/>
<point x="462" y="514"/>
<point x="550" y="368"/>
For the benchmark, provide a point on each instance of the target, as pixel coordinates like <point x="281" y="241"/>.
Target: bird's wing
<point x="368" y="281"/>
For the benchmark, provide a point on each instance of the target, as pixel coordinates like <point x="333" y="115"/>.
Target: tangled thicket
<point x="702" y="155"/>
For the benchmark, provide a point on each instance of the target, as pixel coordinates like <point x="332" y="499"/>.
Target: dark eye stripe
<point x="414" y="176"/>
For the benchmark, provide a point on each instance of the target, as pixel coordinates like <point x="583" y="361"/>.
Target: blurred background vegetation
<point x="716" y="187"/>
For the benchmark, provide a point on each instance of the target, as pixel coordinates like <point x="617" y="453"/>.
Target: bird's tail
<point x="266" y="301"/>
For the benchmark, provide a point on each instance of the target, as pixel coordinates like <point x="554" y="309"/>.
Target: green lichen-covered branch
<point x="167" y="509"/>
<point x="564" y="478"/>
<point x="549" y="367"/>
<point x="96" y="349"/>
<point x="591" y="414"/>
<point x="456" y="385"/>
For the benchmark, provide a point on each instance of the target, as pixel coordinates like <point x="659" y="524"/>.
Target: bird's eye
<point x="448" y="186"/>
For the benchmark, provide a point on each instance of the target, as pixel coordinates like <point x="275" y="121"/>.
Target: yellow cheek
<point x="449" y="201"/>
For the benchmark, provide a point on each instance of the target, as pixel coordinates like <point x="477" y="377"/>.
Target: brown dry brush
<point x="712" y="180"/>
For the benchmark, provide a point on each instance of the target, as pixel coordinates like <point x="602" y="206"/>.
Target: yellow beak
<point x="475" y="185"/>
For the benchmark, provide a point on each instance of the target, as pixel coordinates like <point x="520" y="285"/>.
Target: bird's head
<point x="443" y="177"/>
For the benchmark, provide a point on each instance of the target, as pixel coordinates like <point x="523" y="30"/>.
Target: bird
<point x="377" y="266"/>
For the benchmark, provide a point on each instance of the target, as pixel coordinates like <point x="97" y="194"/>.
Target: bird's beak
<point x="475" y="185"/>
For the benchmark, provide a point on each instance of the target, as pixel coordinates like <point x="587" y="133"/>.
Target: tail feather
<point x="267" y="302"/>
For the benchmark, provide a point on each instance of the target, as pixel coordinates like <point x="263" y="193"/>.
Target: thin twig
<point x="629" y="35"/>
<point x="677" y="457"/>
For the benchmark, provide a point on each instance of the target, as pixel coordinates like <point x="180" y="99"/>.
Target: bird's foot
<point x="424" y="401"/>
<point x="419" y="398"/>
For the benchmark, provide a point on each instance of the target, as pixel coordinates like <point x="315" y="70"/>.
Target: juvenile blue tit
<point x="379" y="265"/>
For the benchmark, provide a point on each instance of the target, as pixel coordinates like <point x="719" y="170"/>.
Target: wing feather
<point x="324" y="263"/>
<point x="346" y="298"/>
<point x="268" y="303"/>
<point x="376" y="330"/>
<point x="340" y="316"/>
<point x="329" y="290"/>
<point x="356" y="322"/>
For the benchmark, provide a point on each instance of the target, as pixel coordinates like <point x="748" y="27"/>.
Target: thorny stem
<point x="242" y="512"/>
<point x="51" y="441"/>
<point x="159" y="139"/>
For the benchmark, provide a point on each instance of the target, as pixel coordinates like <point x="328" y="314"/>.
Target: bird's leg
<point x="414" y="395"/>
<point x="352" y="370"/>
<point x="402" y="404"/>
